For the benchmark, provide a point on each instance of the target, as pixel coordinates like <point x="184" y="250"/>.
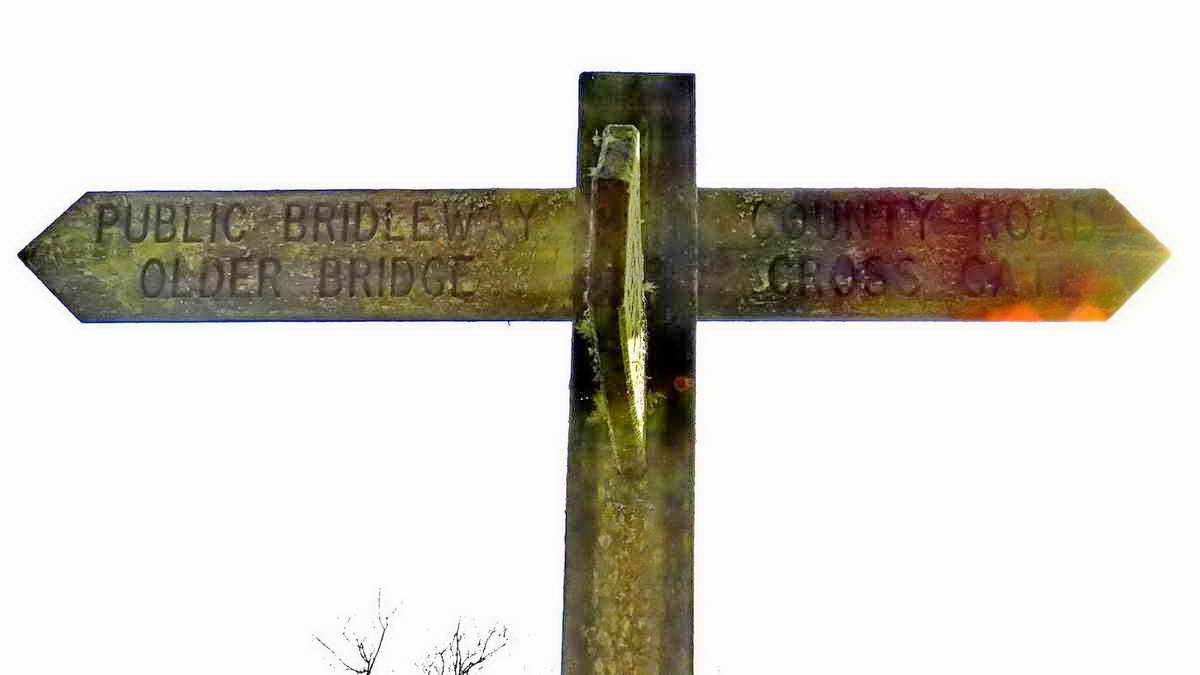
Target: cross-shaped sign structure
<point x="635" y="254"/>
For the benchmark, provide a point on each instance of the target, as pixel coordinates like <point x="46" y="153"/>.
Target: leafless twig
<point x="457" y="658"/>
<point x="364" y="648"/>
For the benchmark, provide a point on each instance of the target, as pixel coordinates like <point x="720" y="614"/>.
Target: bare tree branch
<point x="342" y="661"/>
<point x="454" y="659"/>
<point x="365" y="647"/>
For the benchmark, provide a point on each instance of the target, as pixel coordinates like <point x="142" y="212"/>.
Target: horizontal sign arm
<point x="774" y="254"/>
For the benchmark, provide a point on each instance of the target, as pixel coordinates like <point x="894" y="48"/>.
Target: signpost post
<point x="635" y="254"/>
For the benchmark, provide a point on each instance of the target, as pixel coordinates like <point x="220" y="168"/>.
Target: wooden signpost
<point x="635" y="254"/>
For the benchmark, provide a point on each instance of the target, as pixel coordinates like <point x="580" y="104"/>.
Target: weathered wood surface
<point x="959" y="254"/>
<point x="627" y="606"/>
<point x="501" y="254"/>
<point x="311" y="255"/>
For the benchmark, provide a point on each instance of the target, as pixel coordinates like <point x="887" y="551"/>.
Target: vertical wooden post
<point x="631" y="465"/>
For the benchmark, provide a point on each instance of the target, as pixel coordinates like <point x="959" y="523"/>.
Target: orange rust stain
<point x="1021" y="311"/>
<point x="1087" y="312"/>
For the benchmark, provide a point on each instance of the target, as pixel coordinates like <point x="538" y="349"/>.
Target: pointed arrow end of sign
<point x="1103" y="256"/>
<point x="29" y="254"/>
<point x="60" y="268"/>
<point x="1135" y="254"/>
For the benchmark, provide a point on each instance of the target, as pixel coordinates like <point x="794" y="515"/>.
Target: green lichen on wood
<point x="413" y="254"/>
<point x="1046" y="254"/>
<point x="940" y="254"/>
<point x="628" y="583"/>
